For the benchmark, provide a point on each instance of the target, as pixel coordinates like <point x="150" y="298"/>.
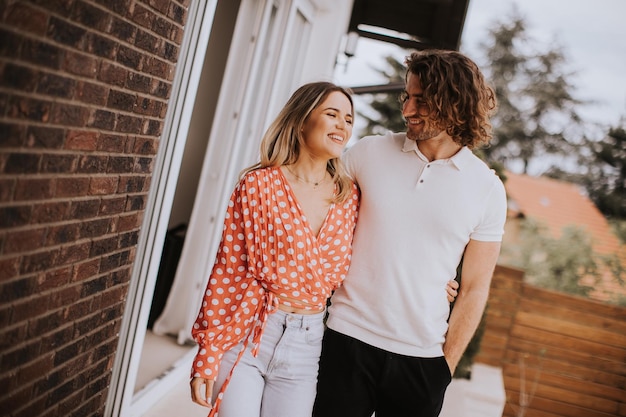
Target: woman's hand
<point x="451" y="290"/>
<point x="198" y="394"/>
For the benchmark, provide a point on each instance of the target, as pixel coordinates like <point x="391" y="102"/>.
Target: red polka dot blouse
<point x="268" y="250"/>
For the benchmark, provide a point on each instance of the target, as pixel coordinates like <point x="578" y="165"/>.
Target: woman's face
<point x="328" y="127"/>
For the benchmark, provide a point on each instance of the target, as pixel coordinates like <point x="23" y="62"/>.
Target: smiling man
<point x="427" y="202"/>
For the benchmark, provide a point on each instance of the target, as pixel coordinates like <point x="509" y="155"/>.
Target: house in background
<point x="557" y="204"/>
<point x="118" y="120"/>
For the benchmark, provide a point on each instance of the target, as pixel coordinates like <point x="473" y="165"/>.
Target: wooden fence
<point x="561" y="356"/>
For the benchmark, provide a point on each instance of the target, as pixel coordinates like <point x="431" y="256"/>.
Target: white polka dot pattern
<point x="267" y="250"/>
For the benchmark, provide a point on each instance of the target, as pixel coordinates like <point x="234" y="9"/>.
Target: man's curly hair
<point x="456" y="93"/>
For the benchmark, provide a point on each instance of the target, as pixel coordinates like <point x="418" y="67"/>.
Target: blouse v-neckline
<point x="292" y="194"/>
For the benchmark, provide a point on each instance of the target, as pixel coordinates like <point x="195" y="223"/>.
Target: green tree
<point x="557" y="263"/>
<point x="602" y="173"/>
<point x="385" y="106"/>
<point x="606" y="183"/>
<point x="537" y="112"/>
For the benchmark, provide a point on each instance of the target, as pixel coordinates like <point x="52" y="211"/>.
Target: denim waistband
<point x="297" y="320"/>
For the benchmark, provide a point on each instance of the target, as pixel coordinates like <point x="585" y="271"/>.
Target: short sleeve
<point x="491" y="228"/>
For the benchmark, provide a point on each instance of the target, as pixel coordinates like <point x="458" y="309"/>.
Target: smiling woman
<point x="285" y="248"/>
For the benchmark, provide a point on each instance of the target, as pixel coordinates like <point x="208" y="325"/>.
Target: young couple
<point x="291" y="238"/>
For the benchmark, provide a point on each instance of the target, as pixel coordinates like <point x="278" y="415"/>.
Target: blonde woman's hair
<point x="282" y="142"/>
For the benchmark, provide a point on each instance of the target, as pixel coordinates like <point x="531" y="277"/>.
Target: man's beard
<point x="431" y="129"/>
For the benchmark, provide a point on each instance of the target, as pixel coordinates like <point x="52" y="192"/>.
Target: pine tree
<point x="537" y="112"/>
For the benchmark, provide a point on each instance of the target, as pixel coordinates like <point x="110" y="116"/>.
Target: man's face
<point x="420" y="122"/>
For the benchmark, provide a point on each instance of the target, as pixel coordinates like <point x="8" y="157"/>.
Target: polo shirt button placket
<point x="421" y="180"/>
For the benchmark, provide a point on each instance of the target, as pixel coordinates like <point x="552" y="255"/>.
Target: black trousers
<point x="357" y="379"/>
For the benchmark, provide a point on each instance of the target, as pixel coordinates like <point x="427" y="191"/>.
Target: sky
<point x="591" y="34"/>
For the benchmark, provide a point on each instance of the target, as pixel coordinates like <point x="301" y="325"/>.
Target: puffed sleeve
<point x="232" y="295"/>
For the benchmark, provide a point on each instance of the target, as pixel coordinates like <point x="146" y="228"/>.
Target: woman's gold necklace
<point x="315" y="184"/>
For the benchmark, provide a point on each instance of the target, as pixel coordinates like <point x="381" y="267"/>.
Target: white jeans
<point x="281" y="381"/>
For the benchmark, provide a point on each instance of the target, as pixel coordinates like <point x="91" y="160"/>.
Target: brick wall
<point x="84" y="87"/>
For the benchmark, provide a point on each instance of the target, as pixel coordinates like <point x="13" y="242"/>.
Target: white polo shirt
<point x="415" y="219"/>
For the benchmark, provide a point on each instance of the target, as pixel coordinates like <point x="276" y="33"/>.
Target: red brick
<point x="24" y="241"/>
<point x="12" y="135"/>
<point x="123" y="30"/>
<point x="113" y="205"/>
<point x="64" y="297"/>
<point x="81" y="140"/>
<point x="55" y="278"/>
<point x="31" y="307"/>
<point x="127" y="222"/>
<point x="129" y="58"/>
<point x="7" y="187"/>
<point x="93" y="164"/>
<point x="101" y="46"/>
<point x="69" y="115"/>
<point x="147" y="41"/>
<point x="139" y="82"/>
<point x="21" y="163"/>
<point x="61" y="234"/>
<point x="144" y="165"/>
<point x="120" y="100"/>
<point x="40" y="261"/>
<point x="112" y="143"/>
<point x="56" y="86"/>
<point x="91" y="93"/>
<point x="34" y="370"/>
<point x="101" y="119"/>
<point x="45" y="137"/>
<point x="94" y="228"/>
<point x="74" y="253"/>
<point x="121" y="165"/>
<point x="15" y="334"/>
<point x="85" y="209"/>
<point x="86" y="269"/>
<point x="159" y="68"/>
<point x="145" y="146"/>
<point x="152" y="128"/>
<point x="50" y="212"/>
<point x="27" y="18"/>
<point x="29" y="109"/>
<point x="161" y="5"/>
<point x="15" y="216"/>
<point x="34" y="189"/>
<point x="131" y="184"/>
<point x="80" y="64"/>
<point x="163" y="28"/>
<point x="112" y="74"/>
<point x="129" y="124"/>
<point x="143" y="16"/>
<point x="55" y="163"/>
<point x="18" y="77"/>
<point x="90" y="16"/>
<point x="135" y="202"/>
<point x="66" y="33"/>
<point x="9" y="268"/>
<point x="177" y="13"/>
<point x="41" y="53"/>
<point x="169" y="52"/>
<point x="103" y="185"/>
<point x="72" y="187"/>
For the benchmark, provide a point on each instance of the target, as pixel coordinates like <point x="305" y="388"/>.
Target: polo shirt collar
<point x="459" y="160"/>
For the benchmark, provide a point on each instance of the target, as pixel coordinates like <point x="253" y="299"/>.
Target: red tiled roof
<point x="558" y="204"/>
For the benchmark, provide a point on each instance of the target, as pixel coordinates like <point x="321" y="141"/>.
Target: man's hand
<point x="202" y="396"/>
